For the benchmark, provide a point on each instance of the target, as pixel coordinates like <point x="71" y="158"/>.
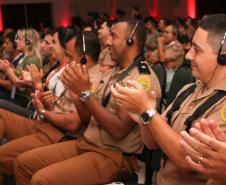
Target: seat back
<point x="181" y="77"/>
<point x="160" y="72"/>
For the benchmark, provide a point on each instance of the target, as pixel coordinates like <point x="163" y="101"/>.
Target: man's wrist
<point x="38" y="86"/>
<point x="148" y="106"/>
<point x="147" y="116"/>
<point x="85" y="96"/>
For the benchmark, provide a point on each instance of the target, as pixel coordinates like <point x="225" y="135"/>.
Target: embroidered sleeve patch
<point x="93" y="88"/>
<point x="145" y="82"/>
<point x="223" y="113"/>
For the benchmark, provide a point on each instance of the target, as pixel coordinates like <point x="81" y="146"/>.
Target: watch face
<point x="145" y="117"/>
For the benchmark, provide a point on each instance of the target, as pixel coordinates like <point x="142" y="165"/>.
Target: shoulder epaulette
<point x="143" y="68"/>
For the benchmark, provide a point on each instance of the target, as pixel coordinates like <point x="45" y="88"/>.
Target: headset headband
<point x="83" y="43"/>
<point x="132" y="32"/>
<point x="222" y="43"/>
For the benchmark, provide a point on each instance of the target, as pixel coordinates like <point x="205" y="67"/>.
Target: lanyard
<point x="136" y="62"/>
<point x="65" y="62"/>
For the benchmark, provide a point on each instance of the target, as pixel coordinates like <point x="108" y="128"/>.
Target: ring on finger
<point x="200" y="161"/>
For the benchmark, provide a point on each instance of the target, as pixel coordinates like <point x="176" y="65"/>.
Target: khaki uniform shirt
<point x="97" y="136"/>
<point x="105" y="58"/>
<point x="64" y="105"/>
<point x="171" y="174"/>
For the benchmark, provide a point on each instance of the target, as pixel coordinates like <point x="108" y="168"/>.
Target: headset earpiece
<point x="221" y="57"/>
<point x="83" y="59"/>
<point x="130" y="40"/>
<point x="27" y="41"/>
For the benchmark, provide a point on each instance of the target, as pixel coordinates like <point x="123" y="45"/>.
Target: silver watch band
<point x="146" y="116"/>
<point x="85" y="95"/>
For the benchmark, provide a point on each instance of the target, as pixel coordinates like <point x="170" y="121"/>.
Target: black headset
<point x="27" y="41"/>
<point x="83" y="59"/>
<point x="221" y="57"/>
<point x="130" y="40"/>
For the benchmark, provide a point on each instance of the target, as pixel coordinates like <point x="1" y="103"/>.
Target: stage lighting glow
<point x="65" y="22"/>
<point x="1" y="21"/>
<point x="191" y="8"/>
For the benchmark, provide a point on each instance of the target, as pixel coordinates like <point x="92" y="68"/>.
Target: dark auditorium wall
<point x="210" y="7"/>
<point x="166" y="8"/>
<point x="62" y="10"/>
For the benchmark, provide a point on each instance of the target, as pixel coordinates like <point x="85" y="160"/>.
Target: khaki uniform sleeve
<point x="64" y="104"/>
<point x="150" y="83"/>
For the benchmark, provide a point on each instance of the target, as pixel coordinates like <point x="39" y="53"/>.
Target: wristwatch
<point x="85" y="95"/>
<point x="146" y="116"/>
<point x="42" y="114"/>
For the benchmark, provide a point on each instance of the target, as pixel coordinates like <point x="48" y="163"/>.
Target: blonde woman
<point x="27" y="41"/>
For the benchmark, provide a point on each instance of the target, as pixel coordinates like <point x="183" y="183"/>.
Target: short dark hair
<point x="109" y="23"/>
<point x="92" y="45"/>
<point x="215" y="25"/>
<point x="166" y="21"/>
<point x="140" y="32"/>
<point x="184" y="39"/>
<point x="11" y="37"/>
<point x="174" y="29"/>
<point x="64" y="35"/>
<point x="151" y="20"/>
<point x="46" y="31"/>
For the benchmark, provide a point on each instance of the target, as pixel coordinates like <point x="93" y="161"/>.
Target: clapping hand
<point x="37" y="102"/>
<point x="133" y="97"/>
<point x="76" y="78"/>
<point x="4" y="65"/>
<point x="48" y="99"/>
<point x="205" y="150"/>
